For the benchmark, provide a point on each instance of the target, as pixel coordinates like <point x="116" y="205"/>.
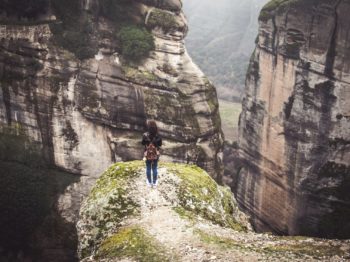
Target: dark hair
<point x="152" y="127"/>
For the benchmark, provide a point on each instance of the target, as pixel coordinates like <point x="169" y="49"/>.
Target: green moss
<point x="162" y="19"/>
<point x="133" y="242"/>
<point x="109" y="202"/>
<point x="199" y="193"/>
<point x="116" y="176"/>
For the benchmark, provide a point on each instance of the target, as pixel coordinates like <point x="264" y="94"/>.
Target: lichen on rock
<point x="119" y="196"/>
<point x="185" y="218"/>
<point x="133" y="242"/>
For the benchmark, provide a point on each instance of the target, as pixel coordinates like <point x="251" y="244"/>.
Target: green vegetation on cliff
<point x="136" y="42"/>
<point x="109" y="203"/>
<point x="133" y="242"/>
<point x="120" y="196"/>
<point x="162" y="19"/>
<point x="201" y="195"/>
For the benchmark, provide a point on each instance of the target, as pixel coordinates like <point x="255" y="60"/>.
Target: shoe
<point x="155" y="184"/>
<point x="149" y="184"/>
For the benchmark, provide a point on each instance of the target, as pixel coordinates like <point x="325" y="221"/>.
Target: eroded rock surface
<point x="64" y="81"/>
<point x="187" y="217"/>
<point x="295" y="126"/>
<point x="90" y="112"/>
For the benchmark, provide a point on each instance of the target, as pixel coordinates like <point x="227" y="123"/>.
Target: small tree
<point x="136" y="42"/>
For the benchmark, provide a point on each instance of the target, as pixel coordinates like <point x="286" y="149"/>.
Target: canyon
<point x="78" y="81"/>
<point x="69" y="93"/>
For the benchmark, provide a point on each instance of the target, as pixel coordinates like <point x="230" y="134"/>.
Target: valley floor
<point x="229" y="113"/>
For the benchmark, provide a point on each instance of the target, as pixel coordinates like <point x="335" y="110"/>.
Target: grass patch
<point x="133" y="242"/>
<point x="229" y="113"/>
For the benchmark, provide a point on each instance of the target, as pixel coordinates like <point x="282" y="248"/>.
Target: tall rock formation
<point x="294" y="176"/>
<point x="65" y="83"/>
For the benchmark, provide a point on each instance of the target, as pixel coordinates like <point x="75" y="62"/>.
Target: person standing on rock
<point x="152" y="142"/>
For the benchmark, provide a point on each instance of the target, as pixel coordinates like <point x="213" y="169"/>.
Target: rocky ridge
<point x="294" y="151"/>
<point x="187" y="217"/>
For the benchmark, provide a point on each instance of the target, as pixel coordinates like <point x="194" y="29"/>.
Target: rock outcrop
<point x="187" y="217"/>
<point x="294" y="140"/>
<point x="65" y="82"/>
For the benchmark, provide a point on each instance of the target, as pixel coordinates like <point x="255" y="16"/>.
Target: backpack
<point x="151" y="152"/>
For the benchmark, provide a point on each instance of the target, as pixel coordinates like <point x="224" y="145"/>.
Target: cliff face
<point x="295" y="125"/>
<point x="89" y="113"/>
<point x="65" y="83"/>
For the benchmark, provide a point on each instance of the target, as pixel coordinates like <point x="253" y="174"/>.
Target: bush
<point x="136" y="42"/>
<point x="163" y="19"/>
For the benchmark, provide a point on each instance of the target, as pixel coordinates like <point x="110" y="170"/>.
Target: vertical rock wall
<point x="295" y="125"/>
<point x="87" y="109"/>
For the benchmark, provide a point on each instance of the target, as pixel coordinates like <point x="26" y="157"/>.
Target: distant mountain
<point x="221" y="39"/>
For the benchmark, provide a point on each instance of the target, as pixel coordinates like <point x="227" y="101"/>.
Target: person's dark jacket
<point x="147" y="139"/>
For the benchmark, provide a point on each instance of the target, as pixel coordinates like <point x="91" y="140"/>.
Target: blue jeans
<point x="152" y="165"/>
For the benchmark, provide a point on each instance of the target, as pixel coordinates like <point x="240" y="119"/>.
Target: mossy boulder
<point x="116" y="207"/>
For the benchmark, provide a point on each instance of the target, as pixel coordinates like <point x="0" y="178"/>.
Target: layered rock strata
<point x="295" y="126"/>
<point x="90" y="113"/>
<point x="65" y="83"/>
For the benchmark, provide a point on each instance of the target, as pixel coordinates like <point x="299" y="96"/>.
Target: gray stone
<point x="295" y="125"/>
<point x="90" y="113"/>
